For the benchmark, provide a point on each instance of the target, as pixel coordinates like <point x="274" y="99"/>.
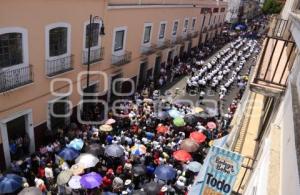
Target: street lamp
<point x="92" y="21"/>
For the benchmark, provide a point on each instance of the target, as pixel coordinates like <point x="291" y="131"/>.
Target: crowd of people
<point x="149" y="145"/>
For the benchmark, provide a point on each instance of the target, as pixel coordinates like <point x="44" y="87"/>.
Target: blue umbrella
<point x="174" y="113"/>
<point x="69" y="154"/>
<point x="10" y="183"/>
<point x="165" y="172"/>
<point x="76" y="144"/>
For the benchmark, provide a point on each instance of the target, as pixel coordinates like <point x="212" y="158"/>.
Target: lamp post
<point x="92" y="21"/>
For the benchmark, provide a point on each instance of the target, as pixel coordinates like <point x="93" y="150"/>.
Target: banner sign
<point x="223" y="167"/>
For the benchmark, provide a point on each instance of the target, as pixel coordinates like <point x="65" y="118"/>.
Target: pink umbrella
<point x="211" y="125"/>
<point x="110" y="121"/>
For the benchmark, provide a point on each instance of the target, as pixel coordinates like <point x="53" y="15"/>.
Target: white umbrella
<point x="87" y="160"/>
<point x="74" y="182"/>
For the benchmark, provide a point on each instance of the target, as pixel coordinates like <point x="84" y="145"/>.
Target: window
<point x="186" y="24"/>
<point x="58" y="41"/>
<point x="162" y="30"/>
<point x="175" y="27"/>
<point x="11" y="52"/>
<point x="193" y="23"/>
<point x="147" y="34"/>
<point x="94" y="35"/>
<point x="119" y="40"/>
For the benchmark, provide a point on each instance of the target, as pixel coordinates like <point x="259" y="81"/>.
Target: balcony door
<point x="142" y="75"/>
<point x="157" y="68"/>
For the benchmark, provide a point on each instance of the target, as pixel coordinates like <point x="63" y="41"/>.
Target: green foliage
<point x="272" y="7"/>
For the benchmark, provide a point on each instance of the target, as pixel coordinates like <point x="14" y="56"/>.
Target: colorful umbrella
<point x="162" y="129"/>
<point x="174" y="113"/>
<point x="77" y="169"/>
<point x="106" y="128"/>
<point x="87" y="160"/>
<point x="76" y="144"/>
<point x="110" y="121"/>
<point x="198" y="137"/>
<point x="63" y="177"/>
<point x="165" y="172"/>
<point x="31" y="191"/>
<point x="138" y="149"/>
<point x="10" y="183"/>
<point x="211" y="125"/>
<point x="194" y="166"/>
<point x="114" y="150"/>
<point x="179" y="122"/>
<point x="68" y="154"/>
<point x="182" y="155"/>
<point x="198" y="110"/>
<point x="91" y="180"/>
<point x="189" y="145"/>
<point x="74" y="182"/>
<point x="162" y="115"/>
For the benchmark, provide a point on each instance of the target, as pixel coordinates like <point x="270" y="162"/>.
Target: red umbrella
<point x="162" y="129"/>
<point x="182" y="155"/>
<point x="211" y="125"/>
<point x="198" y="137"/>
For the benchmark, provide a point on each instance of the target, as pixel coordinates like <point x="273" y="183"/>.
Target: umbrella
<point x="31" y="191"/>
<point x="162" y="129"/>
<point x="212" y="112"/>
<point x="91" y="180"/>
<point x="77" y="169"/>
<point x="139" y="192"/>
<point x="87" y="160"/>
<point x="148" y="100"/>
<point x="165" y="172"/>
<point x="74" y="182"/>
<point x="190" y="119"/>
<point x="10" y="183"/>
<point x="139" y="170"/>
<point x="182" y="155"/>
<point x="138" y="149"/>
<point x="76" y="144"/>
<point x="179" y="122"/>
<point x="152" y="188"/>
<point x="194" y="166"/>
<point x="198" y="137"/>
<point x="95" y="149"/>
<point x="174" y="113"/>
<point x="189" y="145"/>
<point x="202" y="115"/>
<point x="63" y="177"/>
<point x="162" y="115"/>
<point x="211" y="125"/>
<point x="114" y="150"/>
<point x="106" y="128"/>
<point x="110" y="121"/>
<point x="69" y="154"/>
<point x="198" y="110"/>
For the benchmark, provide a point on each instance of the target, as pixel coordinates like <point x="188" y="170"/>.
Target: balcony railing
<point x="59" y="66"/>
<point x="279" y="28"/>
<point x="177" y="40"/>
<point x="164" y="44"/>
<point x="275" y="63"/>
<point x="195" y="34"/>
<point x="96" y="55"/>
<point x="15" y="77"/>
<point x="119" y="60"/>
<point x="189" y="36"/>
<point x="148" y="49"/>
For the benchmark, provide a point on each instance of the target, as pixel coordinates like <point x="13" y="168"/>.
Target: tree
<point x="272" y="7"/>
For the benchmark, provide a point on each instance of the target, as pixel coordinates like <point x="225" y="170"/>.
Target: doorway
<point x="117" y="88"/>
<point x="17" y="136"/>
<point x="142" y="74"/>
<point x="58" y="114"/>
<point x="157" y="68"/>
<point x="181" y="52"/>
<point x="189" y="48"/>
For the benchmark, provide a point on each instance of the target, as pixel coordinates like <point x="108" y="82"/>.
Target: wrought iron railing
<point x="15" y="77"/>
<point x="96" y="55"/>
<point x="177" y="40"/>
<point x="164" y="44"/>
<point x="59" y="66"/>
<point x="279" y="28"/>
<point x="119" y="60"/>
<point x="148" y="49"/>
<point x="195" y="34"/>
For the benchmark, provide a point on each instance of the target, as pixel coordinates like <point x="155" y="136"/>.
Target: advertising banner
<point x="221" y="172"/>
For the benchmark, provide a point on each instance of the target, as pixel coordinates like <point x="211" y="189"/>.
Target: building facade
<point x="44" y="55"/>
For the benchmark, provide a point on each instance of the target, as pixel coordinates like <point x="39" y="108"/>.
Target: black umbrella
<point x="152" y="188"/>
<point x="95" y="149"/>
<point x="139" y="170"/>
<point x="203" y="115"/>
<point x="190" y="119"/>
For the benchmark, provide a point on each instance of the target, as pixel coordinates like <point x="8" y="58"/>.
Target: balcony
<point x="279" y="28"/>
<point x="162" y="44"/>
<point x="195" y="34"/>
<point x="148" y="49"/>
<point x="177" y="40"/>
<point x="15" y="77"/>
<point x="119" y="60"/>
<point x="96" y="55"/>
<point x="59" y="66"/>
